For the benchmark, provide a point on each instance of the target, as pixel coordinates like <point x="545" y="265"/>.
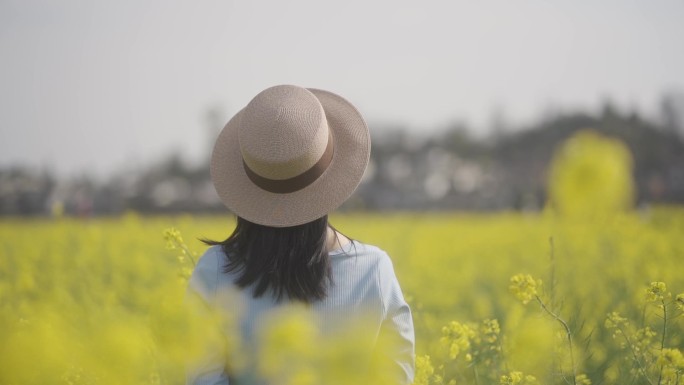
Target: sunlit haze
<point x="93" y="86"/>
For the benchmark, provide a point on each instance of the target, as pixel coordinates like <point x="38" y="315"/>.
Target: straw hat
<point x="291" y="156"/>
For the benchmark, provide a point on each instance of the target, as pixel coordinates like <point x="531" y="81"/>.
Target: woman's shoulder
<point x="365" y="252"/>
<point x="210" y="259"/>
<point x="371" y="250"/>
<point x="205" y="275"/>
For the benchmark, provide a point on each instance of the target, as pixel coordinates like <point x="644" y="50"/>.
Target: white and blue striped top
<point x="364" y="285"/>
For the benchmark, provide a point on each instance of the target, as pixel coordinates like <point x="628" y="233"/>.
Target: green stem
<point x="552" y="289"/>
<point x="188" y="253"/>
<point x="477" y="377"/>
<point x="662" y="340"/>
<point x="636" y="357"/>
<point x="503" y="356"/>
<point x="568" y="334"/>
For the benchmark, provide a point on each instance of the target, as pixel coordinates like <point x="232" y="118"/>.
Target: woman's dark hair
<point x="291" y="261"/>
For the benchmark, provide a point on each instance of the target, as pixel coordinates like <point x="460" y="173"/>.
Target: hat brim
<point x="351" y="142"/>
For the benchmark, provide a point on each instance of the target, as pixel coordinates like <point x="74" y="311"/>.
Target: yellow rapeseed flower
<point x="173" y="238"/>
<point x="517" y="378"/>
<point x="615" y="321"/>
<point x="490" y="330"/>
<point x="582" y="379"/>
<point x="287" y="348"/>
<point x="671" y="357"/>
<point x="679" y="301"/>
<point x="672" y="363"/>
<point x="424" y="370"/>
<point x="524" y="287"/>
<point x="657" y="291"/>
<point x="457" y="336"/>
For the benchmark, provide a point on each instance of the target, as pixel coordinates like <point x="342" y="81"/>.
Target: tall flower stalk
<point x="524" y="287"/>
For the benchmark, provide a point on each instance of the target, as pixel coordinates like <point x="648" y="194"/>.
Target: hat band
<point x="296" y="183"/>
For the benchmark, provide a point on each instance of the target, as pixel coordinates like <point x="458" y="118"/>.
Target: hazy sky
<point x="99" y="86"/>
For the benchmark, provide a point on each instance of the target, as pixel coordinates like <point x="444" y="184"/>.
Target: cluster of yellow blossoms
<point x="518" y="378"/>
<point x="524" y="287"/>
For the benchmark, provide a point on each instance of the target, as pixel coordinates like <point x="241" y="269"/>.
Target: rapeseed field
<point x="588" y="291"/>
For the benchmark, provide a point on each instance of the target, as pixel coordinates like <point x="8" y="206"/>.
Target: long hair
<point x="289" y="261"/>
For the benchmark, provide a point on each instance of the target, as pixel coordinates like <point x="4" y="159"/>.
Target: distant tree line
<point x="448" y="171"/>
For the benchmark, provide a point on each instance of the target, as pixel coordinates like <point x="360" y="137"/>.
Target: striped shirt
<point x="364" y="286"/>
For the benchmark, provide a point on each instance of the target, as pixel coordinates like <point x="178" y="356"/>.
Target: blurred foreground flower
<point x="590" y="176"/>
<point x="425" y="372"/>
<point x="287" y="348"/>
<point x="294" y="349"/>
